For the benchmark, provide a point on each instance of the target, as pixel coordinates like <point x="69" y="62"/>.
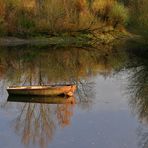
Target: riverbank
<point x="65" y="39"/>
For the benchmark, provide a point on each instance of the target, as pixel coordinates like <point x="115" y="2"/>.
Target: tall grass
<point x="118" y="15"/>
<point x="55" y="16"/>
<point x="111" y="12"/>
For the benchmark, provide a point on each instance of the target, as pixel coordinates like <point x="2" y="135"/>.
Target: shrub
<point x="110" y="12"/>
<point x="118" y="15"/>
<point x="55" y="16"/>
<point x="101" y="9"/>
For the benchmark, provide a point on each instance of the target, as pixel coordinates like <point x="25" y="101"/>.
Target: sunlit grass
<point x="55" y="16"/>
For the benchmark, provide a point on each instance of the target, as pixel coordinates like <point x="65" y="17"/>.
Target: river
<point x="111" y="102"/>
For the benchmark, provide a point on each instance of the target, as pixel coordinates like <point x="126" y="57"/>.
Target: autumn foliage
<point x="55" y="16"/>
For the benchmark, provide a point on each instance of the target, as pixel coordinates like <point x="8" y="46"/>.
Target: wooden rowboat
<point x="67" y="90"/>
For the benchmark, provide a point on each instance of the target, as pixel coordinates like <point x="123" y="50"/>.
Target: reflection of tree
<point x="59" y="65"/>
<point x="64" y="113"/>
<point x="37" y="122"/>
<point x="85" y="90"/>
<point x="31" y="66"/>
<point x="85" y="93"/>
<point x="138" y="89"/>
<point x="138" y="83"/>
<point x="143" y="137"/>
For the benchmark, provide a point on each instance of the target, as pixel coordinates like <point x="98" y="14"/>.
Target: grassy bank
<point x="29" y="18"/>
<point x="75" y="39"/>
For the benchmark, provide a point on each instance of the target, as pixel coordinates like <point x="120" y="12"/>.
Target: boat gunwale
<point x="38" y="87"/>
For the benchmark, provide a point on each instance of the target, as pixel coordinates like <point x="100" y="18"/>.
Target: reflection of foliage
<point x="85" y="90"/>
<point x="59" y="64"/>
<point x="63" y="65"/>
<point x="138" y="88"/>
<point x="34" y="125"/>
<point x="138" y="82"/>
<point x="143" y="134"/>
<point x="37" y="122"/>
<point x="85" y="93"/>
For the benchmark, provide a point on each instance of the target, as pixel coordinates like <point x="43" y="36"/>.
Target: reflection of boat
<point x="39" y="99"/>
<point x="54" y="90"/>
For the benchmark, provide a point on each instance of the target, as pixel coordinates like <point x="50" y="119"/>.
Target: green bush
<point x="119" y="15"/>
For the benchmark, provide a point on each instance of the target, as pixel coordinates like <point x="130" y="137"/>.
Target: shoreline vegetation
<point x="65" y="22"/>
<point x="78" y="39"/>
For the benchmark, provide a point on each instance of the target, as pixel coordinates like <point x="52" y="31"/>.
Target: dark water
<point x="111" y="109"/>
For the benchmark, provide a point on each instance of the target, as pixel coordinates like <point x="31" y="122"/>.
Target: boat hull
<point x="67" y="90"/>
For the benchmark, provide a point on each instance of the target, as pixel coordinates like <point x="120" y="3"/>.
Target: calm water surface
<point x="111" y="109"/>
